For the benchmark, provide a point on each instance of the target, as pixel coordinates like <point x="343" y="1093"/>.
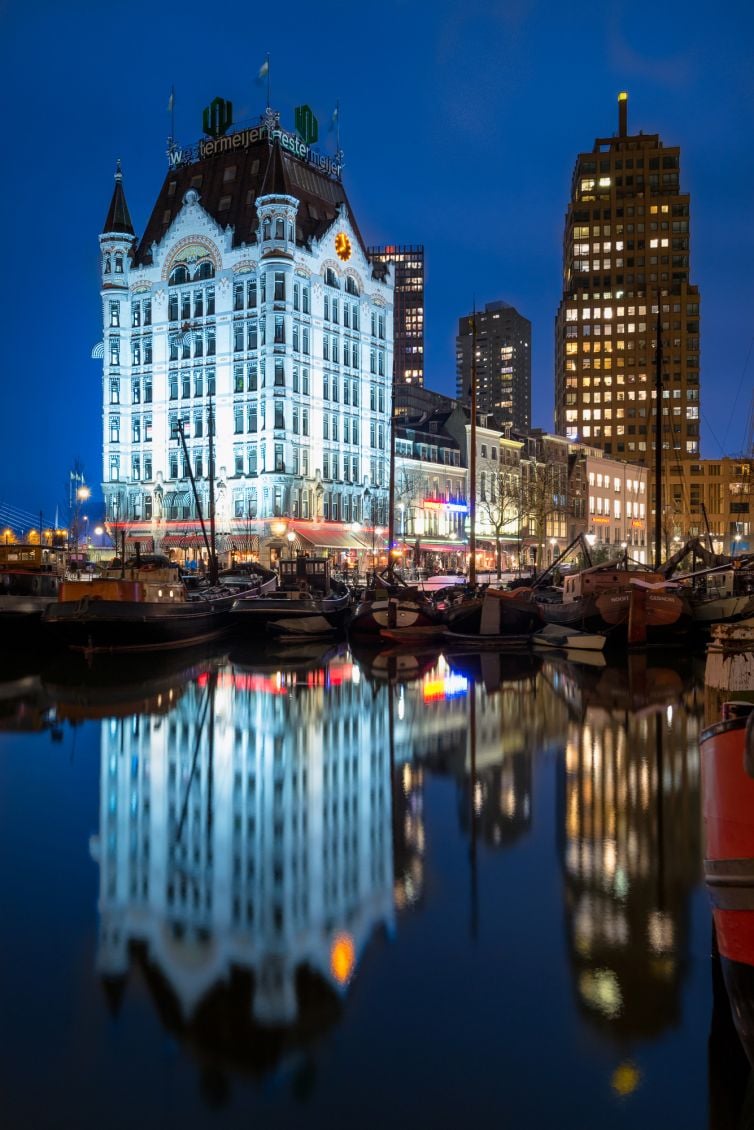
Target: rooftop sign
<point x="244" y="138"/>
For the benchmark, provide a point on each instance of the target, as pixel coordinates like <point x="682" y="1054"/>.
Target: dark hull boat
<point x="307" y="601"/>
<point x="252" y="615"/>
<point x="144" y="608"/>
<point x="727" y="751"/>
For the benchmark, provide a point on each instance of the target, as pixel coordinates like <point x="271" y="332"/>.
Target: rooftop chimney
<point x="622" y="114"/>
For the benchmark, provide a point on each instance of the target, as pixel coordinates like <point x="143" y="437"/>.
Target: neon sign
<point x="441" y="504"/>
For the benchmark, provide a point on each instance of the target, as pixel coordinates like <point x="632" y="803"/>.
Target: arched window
<point x="108" y="264"/>
<point x="205" y="270"/>
<point x="351" y="285"/>
<point x="119" y="264"/>
<point x="279" y="229"/>
<point x="331" y="279"/>
<point x="266" y="228"/>
<point x="179" y="275"/>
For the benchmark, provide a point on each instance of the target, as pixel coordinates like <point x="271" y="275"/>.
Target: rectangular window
<point x="147" y="351"/>
<point x="279" y="329"/>
<point x="115" y="313"/>
<point x="279" y="286"/>
<point x="114" y="351"/>
<point x="279" y="414"/>
<point x="251" y="294"/>
<point x="306" y="300"/>
<point x="173" y="386"/>
<point x="135" y="391"/>
<point x="135" y="314"/>
<point x="147" y="311"/>
<point x="279" y="372"/>
<point x="279" y="461"/>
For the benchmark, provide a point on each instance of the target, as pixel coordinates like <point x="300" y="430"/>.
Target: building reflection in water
<point x="245" y="853"/>
<point x="255" y="836"/>
<point x="630" y="847"/>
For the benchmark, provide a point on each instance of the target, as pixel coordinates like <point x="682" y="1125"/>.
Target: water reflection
<point x="245" y="851"/>
<point x="263" y="817"/>
<point x="629" y="793"/>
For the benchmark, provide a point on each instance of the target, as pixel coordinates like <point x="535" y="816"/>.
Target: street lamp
<point x="291" y="538"/>
<point x="736" y="541"/>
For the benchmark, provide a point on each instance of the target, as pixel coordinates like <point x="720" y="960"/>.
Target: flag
<point x="334" y="120"/>
<point x="171" y="101"/>
<point x="264" y="70"/>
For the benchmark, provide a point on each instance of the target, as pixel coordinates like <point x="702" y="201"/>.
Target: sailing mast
<point x="658" y="437"/>
<point x="472" y="458"/>
<point x="213" y="570"/>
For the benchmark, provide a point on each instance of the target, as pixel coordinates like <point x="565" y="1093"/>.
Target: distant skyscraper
<point x="626" y="240"/>
<point x="408" y="311"/>
<point x="503" y="364"/>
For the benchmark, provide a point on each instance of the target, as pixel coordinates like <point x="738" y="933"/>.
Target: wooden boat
<point x="635" y="606"/>
<point x="140" y="605"/>
<point x="306" y="592"/>
<point x="371" y="616"/>
<point x="727" y="752"/>
<point x="497" y="612"/>
<point x="568" y="639"/>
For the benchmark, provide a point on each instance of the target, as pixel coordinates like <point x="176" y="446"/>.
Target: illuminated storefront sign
<point x="441" y="504"/>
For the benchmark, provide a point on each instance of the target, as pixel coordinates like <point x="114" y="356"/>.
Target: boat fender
<point x="730" y="883"/>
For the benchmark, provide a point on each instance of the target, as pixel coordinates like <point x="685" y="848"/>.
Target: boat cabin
<point x="309" y="573"/>
<point x="598" y="579"/>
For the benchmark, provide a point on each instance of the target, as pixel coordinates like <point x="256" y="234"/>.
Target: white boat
<point x="567" y="639"/>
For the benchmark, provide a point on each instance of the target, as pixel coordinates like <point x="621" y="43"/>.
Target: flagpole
<point x="172" y="113"/>
<point x="269" y="97"/>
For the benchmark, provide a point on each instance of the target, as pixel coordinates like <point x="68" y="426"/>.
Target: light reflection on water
<point x="264" y="818"/>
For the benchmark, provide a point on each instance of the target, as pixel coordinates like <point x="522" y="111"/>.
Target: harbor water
<point x="310" y="888"/>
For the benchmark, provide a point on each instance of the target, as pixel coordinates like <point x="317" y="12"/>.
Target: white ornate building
<point x="249" y="303"/>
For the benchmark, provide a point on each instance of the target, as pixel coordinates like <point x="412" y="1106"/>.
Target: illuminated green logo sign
<point x="307" y="126"/>
<point x="217" y="117"/>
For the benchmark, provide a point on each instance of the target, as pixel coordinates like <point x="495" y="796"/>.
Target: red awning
<point x="144" y="542"/>
<point x="337" y="535"/>
<point x="183" y="541"/>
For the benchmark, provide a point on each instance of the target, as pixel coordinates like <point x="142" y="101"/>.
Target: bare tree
<point x="544" y="501"/>
<point x="500" y="507"/>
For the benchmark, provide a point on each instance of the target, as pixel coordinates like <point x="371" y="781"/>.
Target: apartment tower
<point x="408" y="310"/>
<point x="626" y="248"/>
<point x="500" y="338"/>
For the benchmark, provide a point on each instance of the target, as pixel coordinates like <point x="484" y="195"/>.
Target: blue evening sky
<point x="460" y="123"/>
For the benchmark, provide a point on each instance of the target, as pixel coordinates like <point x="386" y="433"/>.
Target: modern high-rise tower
<point x="408" y="310"/>
<point x="626" y="248"/>
<point x="503" y="363"/>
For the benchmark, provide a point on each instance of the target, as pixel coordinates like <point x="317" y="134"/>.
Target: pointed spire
<point x="118" y="217"/>
<point x="274" y="183"/>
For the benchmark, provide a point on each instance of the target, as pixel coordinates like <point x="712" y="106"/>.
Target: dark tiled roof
<point x="229" y="185"/>
<point x="118" y="216"/>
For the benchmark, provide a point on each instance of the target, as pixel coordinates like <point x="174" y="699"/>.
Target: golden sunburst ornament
<point x="342" y="247"/>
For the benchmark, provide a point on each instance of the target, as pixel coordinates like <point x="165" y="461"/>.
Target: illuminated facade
<point x="627" y="238"/>
<point x="607" y="501"/>
<point x="408" y="315"/>
<point x="721" y="489"/>
<point x="502" y="344"/>
<point x="265" y="849"/>
<point x="250" y="306"/>
<point x="430" y="488"/>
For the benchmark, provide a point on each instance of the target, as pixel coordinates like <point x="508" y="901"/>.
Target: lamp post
<point x="291" y="538"/>
<point x="736" y="542"/>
